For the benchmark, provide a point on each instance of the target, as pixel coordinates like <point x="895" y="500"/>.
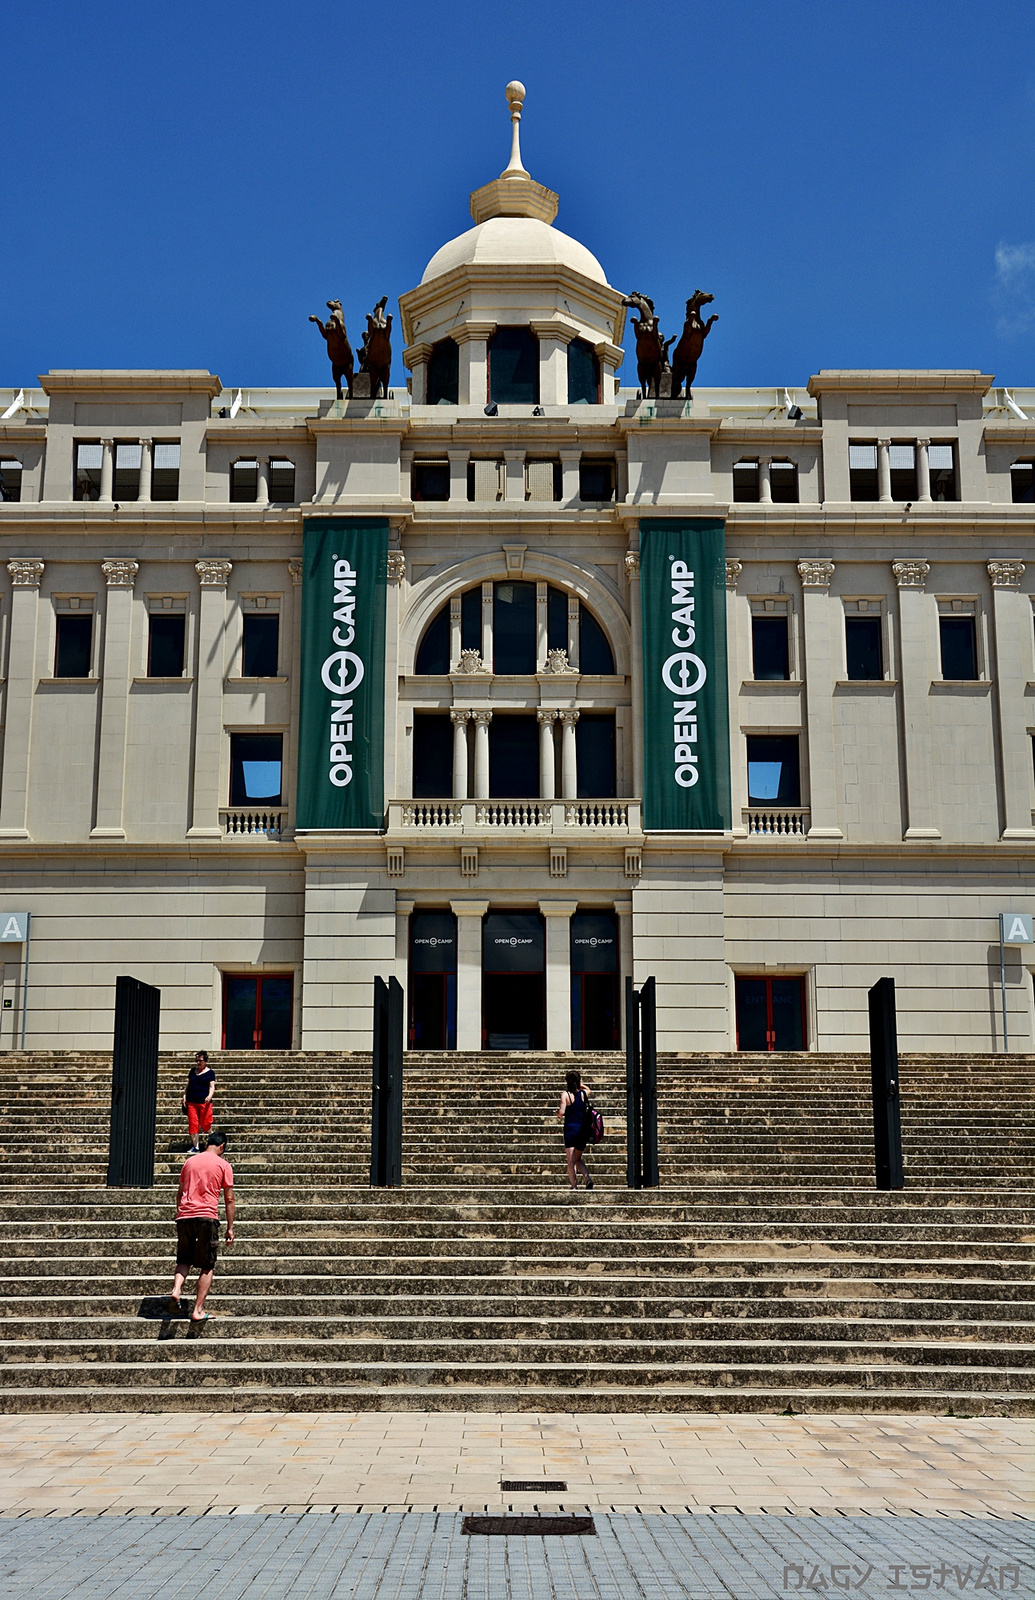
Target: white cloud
<point x="1015" y="288"/>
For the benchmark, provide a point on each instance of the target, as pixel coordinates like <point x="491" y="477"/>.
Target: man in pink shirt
<point x="202" y="1179"/>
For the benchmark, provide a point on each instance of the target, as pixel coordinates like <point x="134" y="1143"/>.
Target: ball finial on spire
<point x="515" y="93"/>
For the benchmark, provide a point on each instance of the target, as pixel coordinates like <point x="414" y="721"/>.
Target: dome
<point x="514" y="241"/>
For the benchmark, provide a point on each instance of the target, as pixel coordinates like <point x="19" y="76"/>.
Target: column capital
<point x="569" y="716"/>
<point x="119" y="573"/>
<point x="481" y="719"/>
<point x="558" y="908"/>
<point x="473" y="331"/>
<point x="396" y="566"/>
<point x="469" y="908"/>
<point x="923" y="444"/>
<point x="295" y="569"/>
<point x="413" y="354"/>
<point x="213" y="574"/>
<point x="144" y="444"/>
<point x="546" y="715"/>
<point x="815" y="574"/>
<point x="910" y="574"/>
<point x="26" y="572"/>
<point x="632" y="564"/>
<point x="1005" y="574"/>
<point x="404" y="907"/>
<point x="884" y="444"/>
<point x="459" y="714"/>
<point x="733" y="571"/>
<point x="554" y="328"/>
<point x="107" y="443"/>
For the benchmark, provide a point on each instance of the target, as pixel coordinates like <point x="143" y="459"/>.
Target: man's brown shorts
<point x="197" y="1242"/>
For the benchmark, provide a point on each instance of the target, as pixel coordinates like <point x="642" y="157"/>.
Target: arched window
<point x="515" y="631"/>
<point x="595" y="653"/>
<point x="514" y="367"/>
<point x="444" y="373"/>
<point x="583" y="374"/>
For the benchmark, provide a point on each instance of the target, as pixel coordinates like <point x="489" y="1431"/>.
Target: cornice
<point x="397" y="424"/>
<point x="641" y="423"/>
<point x="737" y="431"/>
<point x="113" y="381"/>
<point x="417" y="302"/>
<point x="1010" y="432"/>
<point x="221" y="430"/>
<point x="13" y="431"/>
<point x="962" y="381"/>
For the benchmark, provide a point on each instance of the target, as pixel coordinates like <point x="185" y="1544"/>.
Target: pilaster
<point x="557" y="915"/>
<point x="819" y="698"/>
<point x="116" y="673"/>
<point x="208" y="705"/>
<point x="1011" y="613"/>
<point x="26" y="573"/>
<point x="915" y="673"/>
<point x="469" y="914"/>
<point x="473" y="339"/>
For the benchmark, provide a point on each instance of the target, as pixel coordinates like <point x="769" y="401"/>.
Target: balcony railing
<point x="767" y="821"/>
<point x="244" y="822"/>
<point x="430" y="819"/>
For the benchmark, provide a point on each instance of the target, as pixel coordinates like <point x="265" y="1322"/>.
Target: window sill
<point x="767" y="684"/>
<point x="68" y="683"/>
<point x="179" y="679"/>
<point x="866" y="683"/>
<point x="951" y="685"/>
<point x="237" y="681"/>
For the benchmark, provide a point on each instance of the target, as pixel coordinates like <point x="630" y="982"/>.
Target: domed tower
<point x="513" y="312"/>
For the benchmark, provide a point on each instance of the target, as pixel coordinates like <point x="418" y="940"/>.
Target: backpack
<point x="594" y="1124"/>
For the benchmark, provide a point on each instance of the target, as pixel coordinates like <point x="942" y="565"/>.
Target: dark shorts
<point x="575" y="1141"/>
<point x="197" y="1242"/>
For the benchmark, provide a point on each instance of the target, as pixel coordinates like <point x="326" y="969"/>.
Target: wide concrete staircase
<point x="766" y="1274"/>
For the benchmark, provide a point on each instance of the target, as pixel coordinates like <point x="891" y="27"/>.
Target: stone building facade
<point x="880" y="670"/>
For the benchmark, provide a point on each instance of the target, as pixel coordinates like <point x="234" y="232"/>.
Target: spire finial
<point x="515" y="93"/>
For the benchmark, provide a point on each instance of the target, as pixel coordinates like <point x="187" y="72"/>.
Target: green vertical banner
<point x="686" y="738"/>
<point x="342" y="711"/>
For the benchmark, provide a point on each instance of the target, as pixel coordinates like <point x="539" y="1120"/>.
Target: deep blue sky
<point x="853" y="179"/>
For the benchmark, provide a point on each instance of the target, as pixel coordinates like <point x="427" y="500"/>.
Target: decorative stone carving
<point x="458" y="715"/>
<point x="557" y="662"/>
<point x="119" y="574"/>
<point x="481" y="719"/>
<point x="1005" y="574"/>
<point x="733" y="571"/>
<point x="546" y="715"/>
<point x="213" y="574"/>
<point x="25" y="573"/>
<point x="396" y="566"/>
<point x="910" y="574"/>
<point x="568" y="716"/>
<point x="816" y="574"/>
<point x="632" y="564"/>
<point x="295" y="569"/>
<point x="471" y="663"/>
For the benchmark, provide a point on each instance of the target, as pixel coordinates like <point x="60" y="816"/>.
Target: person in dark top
<point x="573" y="1106"/>
<point x="197" y="1098"/>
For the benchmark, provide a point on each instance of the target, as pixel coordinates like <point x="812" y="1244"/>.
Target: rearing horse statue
<point x="691" y="342"/>
<point x="338" y="347"/>
<point x="651" y="348"/>
<point x="375" y="355"/>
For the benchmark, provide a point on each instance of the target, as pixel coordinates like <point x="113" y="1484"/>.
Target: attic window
<point x="126" y="484"/>
<point x="902" y="461"/>
<point x="244" y="482"/>
<point x="583" y="374"/>
<point x="165" y="476"/>
<point x="1022" y="480"/>
<point x="514" y="367"/>
<point x="862" y="471"/>
<point x="88" y="458"/>
<point x="444" y="374"/>
<point x="783" y="482"/>
<point x="745" y="480"/>
<point x="282" y="482"/>
<point x="943" y="471"/>
<point x="10" y="479"/>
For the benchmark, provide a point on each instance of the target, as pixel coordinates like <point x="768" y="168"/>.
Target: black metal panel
<point x="633" y="1169"/>
<point x="649" y="1083"/>
<point x="887" y="1120"/>
<point x="134" y="1085"/>
<point x="386" y="1108"/>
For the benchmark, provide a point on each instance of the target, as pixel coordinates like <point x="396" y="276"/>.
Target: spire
<point x="514" y="193"/>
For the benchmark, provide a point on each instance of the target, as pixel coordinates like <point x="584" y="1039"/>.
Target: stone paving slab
<point x="198" y="1462"/>
<point x="426" y="1556"/>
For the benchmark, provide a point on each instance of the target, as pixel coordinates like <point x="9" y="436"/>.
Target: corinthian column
<point x="569" y="760"/>
<point x="547" y="761"/>
<point x="119" y="576"/>
<point x="208" y="704"/>
<point x="481" y="753"/>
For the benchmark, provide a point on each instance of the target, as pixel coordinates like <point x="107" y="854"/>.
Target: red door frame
<point x="259" y="977"/>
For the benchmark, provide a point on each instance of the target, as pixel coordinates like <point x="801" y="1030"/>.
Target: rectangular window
<point x="774" y="778"/>
<point x="864" y="648"/>
<point x="596" y="480"/>
<point x="256" y="761"/>
<point x="431" y="480"/>
<point x="432" y="756"/>
<point x="261" y="647"/>
<point x="282" y="482"/>
<point x="1022" y="482"/>
<point x="959" y="648"/>
<point x="244" y="482"/>
<point x="88" y="458"/>
<point x="513" y="757"/>
<point x="862" y="471"/>
<point x="166" y="635"/>
<point x="902" y="461"/>
<point x="942" y="463"/>
<point x="770" y="649"/>
<point x="541" y="480"/>
<point x="595" y="756"/>
<point x="770" y="1013"/>
<point x="745" y="480"/>
<point x="783" y="482"/>
<point x="126" y="480"/>
<point x="72" y="650"/>
<point x="165" y="472"/>
<point x="10" y="479"/>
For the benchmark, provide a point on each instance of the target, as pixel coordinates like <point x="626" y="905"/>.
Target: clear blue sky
<point x="853" y="179"/>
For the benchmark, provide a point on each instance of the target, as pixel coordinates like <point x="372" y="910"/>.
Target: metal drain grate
<point x="544" y="1527"/>
<point x="533" y="1485"/>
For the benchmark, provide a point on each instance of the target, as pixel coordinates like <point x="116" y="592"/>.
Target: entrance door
<point x="594" y="981"/>
<point x="257" y="1012"/>
<point x="513" y="981"/>
<point x="770" y="1013"/>
<point x="432" y="1022"/>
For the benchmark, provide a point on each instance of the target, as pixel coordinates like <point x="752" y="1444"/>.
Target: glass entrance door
<point x="594" y="981"/>
<point x="770" y="1013"/>
<point x="513" y="981"/>
<point x="432" y="1019"/>
<point x="257" y="1011"/>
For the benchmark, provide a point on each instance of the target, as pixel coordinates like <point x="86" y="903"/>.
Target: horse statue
<point x="651" y="348"/>
<point x="691" y="342"/>
<point x="375" y="355"/>
<point x="338" y="348"/>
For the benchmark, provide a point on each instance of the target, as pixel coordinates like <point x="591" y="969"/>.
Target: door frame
<point x="768" y="978"/>
<point x="228" y="972"/>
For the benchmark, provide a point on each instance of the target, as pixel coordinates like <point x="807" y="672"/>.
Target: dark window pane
<point x="959" y="647"/>
<point x="165" y="644"/>
<point x="433" y="650"/>
<point x="788" y="1032"/>
<point x="471" y="620"/>
<point x="433" y="941"/>
<point x="513" y="941"/>
<point x="514" y="367"/>
<point x="431" y="480"/>
<point x="126" y="478"/>
<point x="941" y="461"/>
<point x="862" y="471"/>
<point x="513" y="627"/>
<point x="556" y="619"/>
<point x="745" y="480"/>
<point x="444" y="373"/>
<point x="244" y="482"/>
<point x="594" y="941"/>
<point x="783" y="482"/>
<point x="513" y="758"/>
<point x="432" y="755"/>
<point x="594" y="650"/>
<point x="165" y="473"/>
<point x="583" y="374"/>
<point x="773" y="775"/>
<point x="88" y="458"/>
<point x="595" y="755"/>
<point x="902" y="462"/>
<point x="10" y="480"/>
<point x="241" y="1013"/>
<point x="752" y="1014"/>
<point x="72" y="655"/>
<point x="1022" y="479"/>
<point x="863" y="647"/>
<point x="770" y="651"/>
<point x="282" y="483"/>
<point x="275" y="1013"/>
<point x="596" y="480"/>
<point x="259" y="656"/>
<point x="255" y="768"/>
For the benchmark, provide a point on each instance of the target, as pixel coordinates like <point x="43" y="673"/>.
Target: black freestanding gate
<point x="386" y="1119"/>
<point x="641" y="1086"/>
<point x="134" y="1085"/>
<point x="887" y="1119"/>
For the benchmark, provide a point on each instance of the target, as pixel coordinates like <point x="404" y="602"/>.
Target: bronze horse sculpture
<point x="651" y="348"/>
<point x="338" y="348"/>
<point x="691" y="342"/>
<point x="375" y="355"/>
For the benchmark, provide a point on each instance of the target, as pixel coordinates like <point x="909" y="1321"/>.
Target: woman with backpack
<point x="574" y="1108"/>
